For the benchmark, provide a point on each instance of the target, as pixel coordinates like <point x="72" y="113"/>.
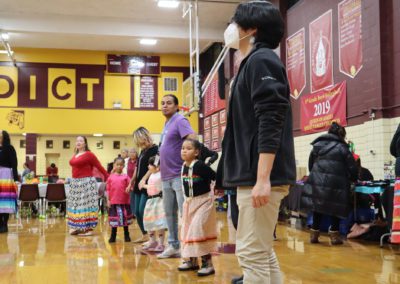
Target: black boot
<point x="126" y="234"/>
<point x="113" y="235"/>
<point x="5" y="220"/>
<point x="2" y="227"/>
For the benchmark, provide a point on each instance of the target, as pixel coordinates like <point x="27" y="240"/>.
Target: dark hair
<point x="152" y="161"/>
<point x="338" y="130"/>
<point x="53" y="165"/>
<point x="86" y="143"/>
<point x="263" y="16"/>
<point x="174" y="98"/>
<point x="119" y="159"/>
<point x="6" y="138"/>
<point x="195" y="143"/>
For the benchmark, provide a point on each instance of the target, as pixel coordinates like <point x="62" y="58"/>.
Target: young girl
<point x="120" y="214"/>
<point x="154" y="216"/>
<point x="198" y="232"/>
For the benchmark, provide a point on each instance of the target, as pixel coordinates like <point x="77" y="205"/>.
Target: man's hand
<point x="261" y="193"/>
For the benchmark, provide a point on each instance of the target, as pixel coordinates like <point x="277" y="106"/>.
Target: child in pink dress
<point x="154" y="219"/>
<point x="120" y="214"/>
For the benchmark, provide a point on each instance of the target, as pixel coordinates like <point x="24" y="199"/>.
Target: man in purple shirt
<point x="177" y="128"/>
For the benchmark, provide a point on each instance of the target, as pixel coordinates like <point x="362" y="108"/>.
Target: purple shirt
<point x="170" y="151"/>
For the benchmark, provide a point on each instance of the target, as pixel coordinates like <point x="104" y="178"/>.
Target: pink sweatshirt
<point x="116" y="186"/>
<point x="154" y="183"/>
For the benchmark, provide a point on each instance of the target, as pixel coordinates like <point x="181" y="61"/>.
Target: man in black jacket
<point x="258" y="147"/>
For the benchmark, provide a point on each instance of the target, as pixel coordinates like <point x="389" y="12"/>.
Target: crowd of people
<point x="173" y="180"/>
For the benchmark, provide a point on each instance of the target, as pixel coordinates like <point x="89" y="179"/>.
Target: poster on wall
<point x="320" y="109"/>
<point x="212" y="101"/>
<point x="295" y="63"/>
<point x="207" y="123"/>
<point x="145" y="91"/>
<point x="214" y="120"/>
<point x="207" y="135"/>
<point x="321" y="54"/>
<point x="350" y="37"/>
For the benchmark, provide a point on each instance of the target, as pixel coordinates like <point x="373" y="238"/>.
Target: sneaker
<point x="206" y="270"/>
<point x="188" y="265"/>
<point x="170" y="252"/>
<point x="150" y="245"/>
<point x="158" y="248"/>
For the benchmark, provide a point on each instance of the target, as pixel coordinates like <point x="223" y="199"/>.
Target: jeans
<point x="140" y="204"/>
<point x="132" y="194"/>
<point x="173" y="201"/>
<point x="254" y="237"/>
<point x="317" y="218"/>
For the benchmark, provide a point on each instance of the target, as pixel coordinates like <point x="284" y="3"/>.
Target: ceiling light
<point x="168" y="3"/>
<point x="5" y="36"/>
<point x="5" y="52"/>
<point x="23" y="134"/>
<point x="148" y="41"/>
<point x="98" y="135"/>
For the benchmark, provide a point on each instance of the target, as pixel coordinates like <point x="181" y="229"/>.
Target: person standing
<point x="83" y="194"/>
<point x="177" y="128"/>
<point x="332" y="169"/>
<point x="125" y="156"/>
<point x="120" y="214"/>
<point x="9" y="177"/>
<point x="258" y="146"/>
<point x="143" y="140"/>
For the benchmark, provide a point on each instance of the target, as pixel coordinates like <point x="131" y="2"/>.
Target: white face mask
<point x="232" y="36"/>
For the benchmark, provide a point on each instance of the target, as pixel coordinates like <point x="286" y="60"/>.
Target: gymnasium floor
<point x="42" y="252"/>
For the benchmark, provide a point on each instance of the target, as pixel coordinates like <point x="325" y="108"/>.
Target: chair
<point x="55" y="193"/>
<point x="29" y="193"/>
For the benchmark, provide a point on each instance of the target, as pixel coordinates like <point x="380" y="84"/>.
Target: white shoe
<point x="206" y="270"/>
<point x="149" y="245"/>
<point x="170" y="252"/>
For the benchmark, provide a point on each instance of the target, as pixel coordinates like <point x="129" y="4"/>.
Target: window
<point x="170" y="84"/>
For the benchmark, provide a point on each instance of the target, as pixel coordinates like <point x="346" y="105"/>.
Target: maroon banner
<point x="350" y="37"/>
<point x="207" y="135"/>
<point x="212" y="102"/>
<point x="320" y="109"/>
<point x="295" y="63"/>
<point x="321" y="56"/>
<point x="133" y="65"/>
<point x="214" y="120"/>
<point x="207" y="123"/>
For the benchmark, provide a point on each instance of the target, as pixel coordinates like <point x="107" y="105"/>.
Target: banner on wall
<point x="320" y="109"/>
<point x="295" y="63"/>
<point x="144" y="93"/>
<point x="212" y="101"/>
<point x="321" y="56"/>
<point x="350" y="37"/>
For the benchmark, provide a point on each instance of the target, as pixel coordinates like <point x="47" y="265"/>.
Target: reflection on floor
<point x="40" y="251"/>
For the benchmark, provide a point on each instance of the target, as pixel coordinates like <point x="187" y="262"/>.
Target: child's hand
<point x="128" y="189"/>
<point x="142" y="184"/>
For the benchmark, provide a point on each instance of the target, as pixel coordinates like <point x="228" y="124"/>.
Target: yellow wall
<point x="59" y="120"/>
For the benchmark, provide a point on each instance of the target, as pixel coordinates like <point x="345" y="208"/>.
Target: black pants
<point x="317" y="218"/>
<point x="234" y="210"/>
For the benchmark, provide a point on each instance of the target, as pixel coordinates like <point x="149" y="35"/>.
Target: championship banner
<point x="295" y="63"/>
<point x="320" y="109"/>
<point x="350" y="37"/>
<point x="321" y="55"/>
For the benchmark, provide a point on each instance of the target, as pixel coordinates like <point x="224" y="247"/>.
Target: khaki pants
<point x="254" y="237"/>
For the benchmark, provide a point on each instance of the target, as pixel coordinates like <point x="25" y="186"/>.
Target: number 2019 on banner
<point x="322" y="108"/>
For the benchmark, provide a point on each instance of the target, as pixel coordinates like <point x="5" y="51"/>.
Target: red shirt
<point x="52" y="171"/>
<point x="131" y="167"/>
<point x="82" y="166"/>
<point x="116" y="186"/>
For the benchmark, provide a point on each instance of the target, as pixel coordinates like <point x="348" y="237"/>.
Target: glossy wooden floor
<point x="40" y="251"/>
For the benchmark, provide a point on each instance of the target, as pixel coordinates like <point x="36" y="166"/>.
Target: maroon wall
<point x="390" y="47"/>
<point x="364" y="92"/>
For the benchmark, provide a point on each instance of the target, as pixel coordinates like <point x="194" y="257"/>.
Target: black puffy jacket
<point x="332" y="169"/>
